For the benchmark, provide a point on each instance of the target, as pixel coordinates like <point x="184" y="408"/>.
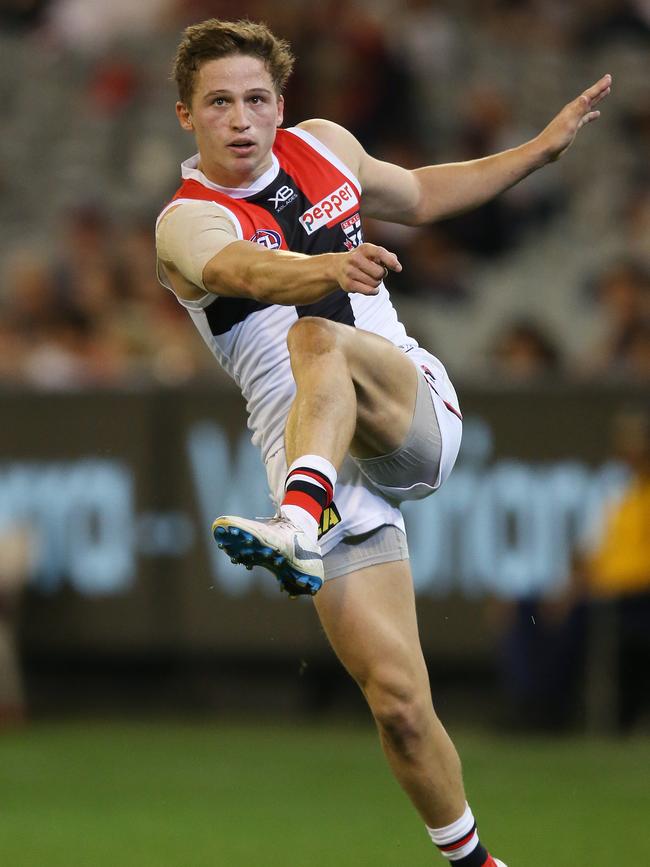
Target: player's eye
<point x="257" y="100"/>
<point x="219" y="100"/>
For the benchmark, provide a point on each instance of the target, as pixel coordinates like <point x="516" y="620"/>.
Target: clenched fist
<point x="362" y="269"/>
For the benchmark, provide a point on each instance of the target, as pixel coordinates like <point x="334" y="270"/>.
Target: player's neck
<point x="219" y="175"/>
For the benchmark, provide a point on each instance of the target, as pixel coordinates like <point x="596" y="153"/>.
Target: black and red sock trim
<point x="462" y="841"/>
<point x="317" y="476"/>
<point x="478" y="857"/>
<point x="309" y="489"/>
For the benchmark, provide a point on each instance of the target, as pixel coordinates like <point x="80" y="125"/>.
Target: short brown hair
<point x="212" y="39"/>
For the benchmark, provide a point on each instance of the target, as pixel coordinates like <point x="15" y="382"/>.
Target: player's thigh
<point x="386" y="384"/>
<point x="370" y="620"/>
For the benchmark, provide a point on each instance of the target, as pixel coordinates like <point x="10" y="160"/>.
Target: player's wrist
<point x="541" y="151"/>
<point x="331" y="264"/>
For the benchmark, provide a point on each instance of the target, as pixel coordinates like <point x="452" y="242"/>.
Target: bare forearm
<point x="273" y="276"/>
<point x="447" y="190"/>
<point x="451" y="189"/>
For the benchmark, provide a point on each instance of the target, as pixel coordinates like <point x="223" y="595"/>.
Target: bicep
<point x="390" y="192"/>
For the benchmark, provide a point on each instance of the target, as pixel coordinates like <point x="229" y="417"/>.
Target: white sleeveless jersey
<point x="308" y="202"/>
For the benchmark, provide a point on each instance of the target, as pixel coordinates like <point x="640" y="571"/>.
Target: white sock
<point x="309" y="487"/>
<point x="458" y="840"/>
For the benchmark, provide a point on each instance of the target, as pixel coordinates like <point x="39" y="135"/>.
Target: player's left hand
<point x="559" y="135"/>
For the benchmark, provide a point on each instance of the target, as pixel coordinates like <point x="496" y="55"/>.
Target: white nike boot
<point x="278" y="545"/>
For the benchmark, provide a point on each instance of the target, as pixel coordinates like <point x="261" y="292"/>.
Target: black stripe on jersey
<point x="223" y="313"/>
<point x="337" y="306"/>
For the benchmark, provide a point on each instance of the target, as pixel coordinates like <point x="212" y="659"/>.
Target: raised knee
<point x="313" y="335"/>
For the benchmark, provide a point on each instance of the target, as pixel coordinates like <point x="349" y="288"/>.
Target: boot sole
<point x="245" y="548"/>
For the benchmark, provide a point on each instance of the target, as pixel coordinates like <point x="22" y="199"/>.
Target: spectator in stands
<point x="551" y="642"/>
<point x="635" y="357"/>
<point x="618" y="561"/>
<point x="149" y="323"/>
<point x="87" y="272"/>
<point x="604" y="21"/>
<point x="486" y="126"/>
<point x="13" y="351"/>
<point x="623" y="293"/>
<point x="350" y="74"/>
<point x="434" y="268"/>
<point x="524" y="352"/>
<point x="20" y="16"/>
<point x="92" y="25"/>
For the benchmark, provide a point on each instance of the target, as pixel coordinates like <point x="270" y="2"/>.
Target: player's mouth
<point x="242" y="147"/>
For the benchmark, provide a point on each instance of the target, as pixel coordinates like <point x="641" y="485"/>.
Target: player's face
<point x="234" y="114"/>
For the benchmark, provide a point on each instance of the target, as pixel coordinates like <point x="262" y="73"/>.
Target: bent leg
<point x="369" y="618"/>
<point x="355" y="391"/>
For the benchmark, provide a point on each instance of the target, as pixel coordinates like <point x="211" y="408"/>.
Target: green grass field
<point x="192" y="795"/>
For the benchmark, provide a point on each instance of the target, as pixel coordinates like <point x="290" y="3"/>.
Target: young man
<point x="263" y="244"/>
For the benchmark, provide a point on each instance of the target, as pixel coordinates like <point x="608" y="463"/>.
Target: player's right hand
<point x="363" y="269"/>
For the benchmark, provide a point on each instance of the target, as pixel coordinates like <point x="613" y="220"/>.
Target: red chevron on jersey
<point x="252" y="218"/>
<point x="328" y="196"/>
<point x="318" y="177"/>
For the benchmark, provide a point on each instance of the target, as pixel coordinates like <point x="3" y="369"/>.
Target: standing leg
<point x="370" y="620"/>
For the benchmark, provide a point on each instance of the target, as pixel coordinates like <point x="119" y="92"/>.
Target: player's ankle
<point x="308" y="490"/>
<point x="459" y="842"/>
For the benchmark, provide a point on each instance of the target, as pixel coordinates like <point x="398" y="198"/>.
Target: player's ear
<point x="184" y="117"/>
<point x="280" y="110"/>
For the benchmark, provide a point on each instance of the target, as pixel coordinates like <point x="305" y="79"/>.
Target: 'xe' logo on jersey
<point x="328" y="209"/>
<point x="284" y="196"/>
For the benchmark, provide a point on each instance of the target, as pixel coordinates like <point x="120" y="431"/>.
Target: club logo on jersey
<point x="267" y="238"/>
<point x="283" y="197"/>
<point x="352" y="229"/>
<point x="330" y="518"/>
<point x="328" y="209"/>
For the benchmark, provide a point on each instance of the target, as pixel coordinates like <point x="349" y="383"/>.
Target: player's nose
<point x="238" y="118"/>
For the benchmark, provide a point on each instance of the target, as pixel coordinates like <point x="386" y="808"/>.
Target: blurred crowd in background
<point x="551" y="281"/>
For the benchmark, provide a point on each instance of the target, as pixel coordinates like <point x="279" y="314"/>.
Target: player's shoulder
<point x="190" y="210"/>
<point x="327" y="131"/>
<point x="335" y="137"/>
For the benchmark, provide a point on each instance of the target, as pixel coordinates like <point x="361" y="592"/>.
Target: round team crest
<point x="267" y="238"/>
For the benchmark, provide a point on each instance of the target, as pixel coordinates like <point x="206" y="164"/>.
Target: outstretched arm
<point x="436" y="192"/>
